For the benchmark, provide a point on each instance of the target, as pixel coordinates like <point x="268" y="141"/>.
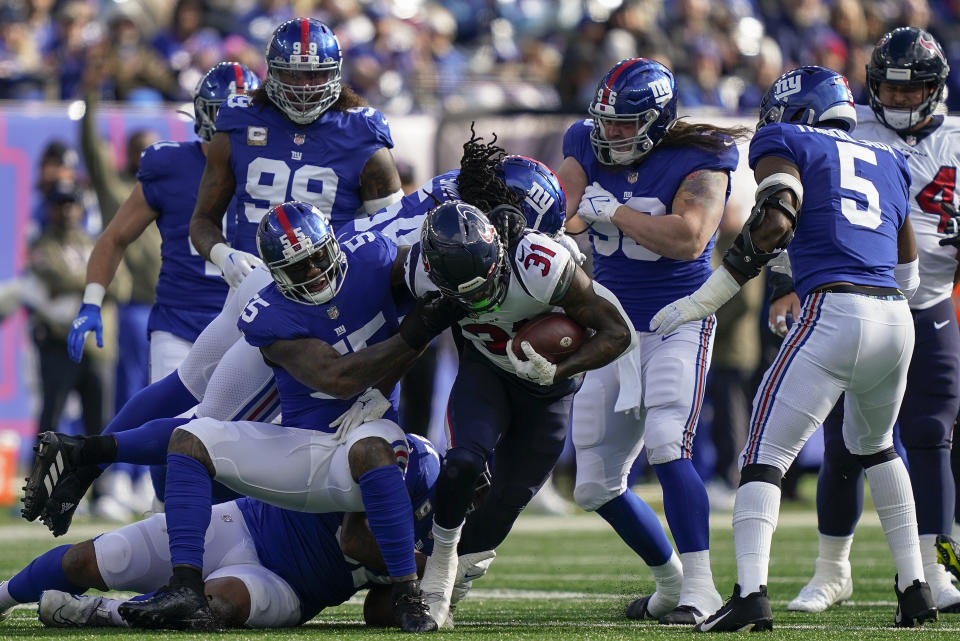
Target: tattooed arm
<point x="379" y="182"/>
<point x="216" y="189"/>
<point x="684" y="233"/>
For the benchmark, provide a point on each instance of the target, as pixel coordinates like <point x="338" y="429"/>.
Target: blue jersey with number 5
<point x="643" y="280"/>
<point x="190" y="290"/>
<point x="362" y="313"/>
<point x="855" y="201"/>
<point x="275" y="161"/>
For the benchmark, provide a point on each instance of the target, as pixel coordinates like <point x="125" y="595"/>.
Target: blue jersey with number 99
<point x="855" y="201"/>
<point x="362" y="313"/>
<point x="274" y="161"/>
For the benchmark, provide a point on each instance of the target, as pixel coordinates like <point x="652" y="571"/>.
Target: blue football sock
<point x="147" y="444"/>
<point x="390" y="516"/>
<point x="933" y="489"/>
<point x="188" y="505"/>
<point x="839" y="494"/>
<point x="685" y="504"/>
<point x="638" y="526"/>
<point x="44" y="573"/>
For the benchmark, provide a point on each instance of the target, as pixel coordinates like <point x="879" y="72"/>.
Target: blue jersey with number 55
<point x="275" y="161"/>
<point x="855" y="201"/>
<point x="362" y="313"/>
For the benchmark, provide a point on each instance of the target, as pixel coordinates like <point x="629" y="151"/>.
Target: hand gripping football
<point x="553" y="335"/>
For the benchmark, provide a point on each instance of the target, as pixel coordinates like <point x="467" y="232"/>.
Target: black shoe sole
<point x="41" y="482"/>
<point x="147" y="620"/>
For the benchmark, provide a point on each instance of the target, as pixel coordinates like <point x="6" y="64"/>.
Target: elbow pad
<point x="908" y="277"/>
<point x="744" y="256"/>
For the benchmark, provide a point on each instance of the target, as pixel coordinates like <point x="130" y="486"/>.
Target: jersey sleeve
<point x="771" y="141"/>
<point x="539" y="262"/>
<point x="154" y="163"/>
<point x="576" y="141"/>
<point x="264" y="320"/>
<point x="230" y="116"/>
<point x="415" y="275"/>
<point x="374" y="124"/>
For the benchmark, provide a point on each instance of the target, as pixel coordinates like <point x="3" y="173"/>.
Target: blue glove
<point x="87" y="320"/>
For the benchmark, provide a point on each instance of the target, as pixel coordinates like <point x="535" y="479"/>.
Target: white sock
<point x="6" y="601"/>
<point x="440" y="573"/>
<point x="755" y="515"/>
<point x="669" y="579"/>
<point x="115" y="618"/>
<point x="893" y="498"/>
<point x="698" y="589"/>
<point x="835" y="548"/>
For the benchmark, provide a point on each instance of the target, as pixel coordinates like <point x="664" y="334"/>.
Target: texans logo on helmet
<point x="486" y="233"/>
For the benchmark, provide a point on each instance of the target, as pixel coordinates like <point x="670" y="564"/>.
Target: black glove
<point x="509" y="223"/>
<point x="952" y="225"/>
<point x="429" y="317"/>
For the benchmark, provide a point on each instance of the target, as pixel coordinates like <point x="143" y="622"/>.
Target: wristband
<point x="93" y="294"/>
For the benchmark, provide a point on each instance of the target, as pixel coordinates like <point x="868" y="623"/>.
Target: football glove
<point x="952" y="225"/>
<point x="597" y="204"/>
<point x="431" y="314"/>
<point x="87" y="320"/>
<point x="571" y="246"/>
<point x="536" y="368"/>
<point x="234" y="264"/>
<point x="369" y="406"/>
<point x="718" y="289"/>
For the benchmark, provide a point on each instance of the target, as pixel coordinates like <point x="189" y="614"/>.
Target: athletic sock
<point x="44" y="573"/>
<point x="933" y="488"/>
<point x="893" y="498"/>
<point x="147" y="444"/>
<point x="834" y="549"/>
<point x="638" y="526"/>
<point x="755" y="515"/>
<point x="390" y="516"/>
<point x="669" y="579"/>
<point x="188" y="508"/>
<point x="685" y="504"/>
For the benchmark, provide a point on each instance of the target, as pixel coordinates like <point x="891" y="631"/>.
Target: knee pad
<point x="126" y="555"/>
<point x="869" y="460"/>
<point x="591" y="496"/>
<point x="760" y="472"/>
<point x="461" y="466"/>
<point x="926" y="433"/>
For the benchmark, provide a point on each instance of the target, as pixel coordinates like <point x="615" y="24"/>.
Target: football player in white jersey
<point x="906" y="74"/>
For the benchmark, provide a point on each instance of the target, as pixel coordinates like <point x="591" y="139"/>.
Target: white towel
<point x="631" y="387"/>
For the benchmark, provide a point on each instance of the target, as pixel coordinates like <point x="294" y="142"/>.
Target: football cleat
<point x="64" y="610"/>
<point x="5" y="614"/>
<point x="181" y="605"/>
<point x="409" y="608"/>
<point x="57" y="514"/>
<point x="638" y="609"/>
<point x="914" y="605"/>
<point x="948" y="554"/>
<point x="683" y="615"/>
<point x="822" y="592"/>
<point x="741" y="613"/>
<point x="54" y="458"/>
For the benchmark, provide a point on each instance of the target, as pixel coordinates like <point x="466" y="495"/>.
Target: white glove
<point x="369" y="406"/>
<point x="597" y="204"/>
<point x="233" y="263"/>
<point x="571" y="246"/>
<point x="719" y="288"/>
<point x="469" y="567"/>
<point x="536" y="368"/>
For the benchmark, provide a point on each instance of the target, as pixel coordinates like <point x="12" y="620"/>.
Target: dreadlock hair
<point x="479" y="181"/>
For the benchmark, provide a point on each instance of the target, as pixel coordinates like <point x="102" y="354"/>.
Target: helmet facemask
<point x="904" y="118"/>
<point x="308" y="273"/>
<point x="303" y="90"/>
<point x="628" y="150"/>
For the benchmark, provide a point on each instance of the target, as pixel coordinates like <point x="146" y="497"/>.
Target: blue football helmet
<point x="637" y="92"/>
<point x="907" y="56"/>
<point x="809" y="96"/>
<point x="217" y="85"/>
<point x="544" y="202"/>
<point x="295" y="241"/>
<point x="463" y="256"/>
<point x="303" y="69"/>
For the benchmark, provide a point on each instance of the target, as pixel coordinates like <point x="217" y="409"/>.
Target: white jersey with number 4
<point x="933" y="163"/>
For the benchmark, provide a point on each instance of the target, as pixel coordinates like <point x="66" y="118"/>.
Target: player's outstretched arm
<point x="213" y="196"/>
<point x="131" y="220"/>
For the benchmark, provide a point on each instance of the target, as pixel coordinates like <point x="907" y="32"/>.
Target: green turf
<point x="570" y="578"/>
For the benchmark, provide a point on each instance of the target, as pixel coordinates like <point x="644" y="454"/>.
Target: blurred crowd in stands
<point x="416" y="56"/>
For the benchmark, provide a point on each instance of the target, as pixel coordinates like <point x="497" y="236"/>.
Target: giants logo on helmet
<point x="662" y="93"/>
<point x="786" y="86"/>
<point x="539" y="199"/>
<point x="294" y="242"/>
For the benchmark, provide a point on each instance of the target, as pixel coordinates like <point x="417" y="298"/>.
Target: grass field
<point x="570" y="578"/>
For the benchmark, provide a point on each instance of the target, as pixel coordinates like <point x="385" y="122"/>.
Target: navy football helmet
<point x="636" y="92"/>
<point x="544" y="202"/>
<point x="295" y="240"/>
<point x="809" y="96"/>
<point x="907" y="56"/>
<point x="217" y="85"/>
<point x="303" y="69"/>
<point x="463" y="256"/>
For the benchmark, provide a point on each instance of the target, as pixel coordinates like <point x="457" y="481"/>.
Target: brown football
<point x="553" y="335"/>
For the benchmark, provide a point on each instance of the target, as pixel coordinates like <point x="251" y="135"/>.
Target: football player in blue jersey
<point x="302" y="136"/>
<point x="190" y="291"/>
<point x="516" y="410"/>
<point x="841" y="205"/>
<point x="263" y="567"/>
<point x="650" y="190"/>
<point x="907" y="73"/>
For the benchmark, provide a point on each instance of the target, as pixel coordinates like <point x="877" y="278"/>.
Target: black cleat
<point x="57" y="514"/>
<point x="181" y="605"/>
<point x="682" y="615"/>
<point x="914" y="605"/>
<point x="409" y="609"/>
<point x="948" y="554"/>
<point x="55" y="457"/>
<point x="741" y="613"/>
<point x="638" y="609"/>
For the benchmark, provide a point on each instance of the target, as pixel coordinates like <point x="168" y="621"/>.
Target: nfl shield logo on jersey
<point x="299" y="139"/>
<point x="332" y="312"/>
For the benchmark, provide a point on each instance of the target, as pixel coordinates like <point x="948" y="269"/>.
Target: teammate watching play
<point x="841" y="205"/>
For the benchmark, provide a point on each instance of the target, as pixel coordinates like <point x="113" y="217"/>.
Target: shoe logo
<point x="941" y="324"/>
<point x="471" y="577"/>
<point x="709" y="624"/>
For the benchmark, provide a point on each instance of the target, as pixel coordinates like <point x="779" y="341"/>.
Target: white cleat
<point x="64" y="610"/>
<point x="822" y="592"/>
<point x="945" y="595"/>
